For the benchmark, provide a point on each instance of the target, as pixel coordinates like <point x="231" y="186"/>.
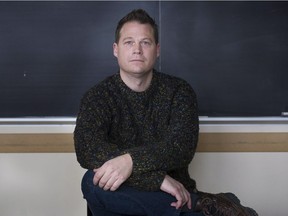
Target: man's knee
<point x="89" y="190"/>
<point x="87" y="185"/>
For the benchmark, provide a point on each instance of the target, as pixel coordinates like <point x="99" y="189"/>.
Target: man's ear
<point x="158" y="50"/>
<point x="115" y="49"/>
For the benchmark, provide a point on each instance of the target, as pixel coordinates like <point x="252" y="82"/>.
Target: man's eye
<point x="128" y="42"/>
<point x="146" y="43"/>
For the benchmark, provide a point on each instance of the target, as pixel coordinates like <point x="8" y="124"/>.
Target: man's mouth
<point x="137" y="60"/>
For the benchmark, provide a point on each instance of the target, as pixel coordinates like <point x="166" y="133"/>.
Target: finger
<point x="179" y="201"/>
<point x="116" y="184"/>
<point x="110" y="182"/>
<point x="104" y="180"/>
<point x="98" y="176"/>
<point x="176" y="204"/>
<point x="102" y="175"/>
<point x="183" y="199"/>
<point x="189" y="201"/>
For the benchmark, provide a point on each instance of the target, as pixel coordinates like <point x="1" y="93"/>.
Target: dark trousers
<point x="129" y="201"/>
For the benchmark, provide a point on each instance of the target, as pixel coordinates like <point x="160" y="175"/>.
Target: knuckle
<point x="97" y="175"/>
<point x="120" y="178"/>
<point x="107" y="187"/>
<point x="96" y="178"/>
<point x="101" y="183"/>
<point x="114" y="187"/>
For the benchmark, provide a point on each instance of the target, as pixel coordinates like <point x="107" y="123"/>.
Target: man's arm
<point x="117" y="170"/>
<point x="92" y="146"/>
<point x="95" y="152"/>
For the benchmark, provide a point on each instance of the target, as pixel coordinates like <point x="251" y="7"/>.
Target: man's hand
<point x="176" y="189"/>
<point x="113" y="172"/>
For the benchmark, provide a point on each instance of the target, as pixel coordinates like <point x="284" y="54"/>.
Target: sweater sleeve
<point x="90" y="135"/>
<point x="179" y="142"/>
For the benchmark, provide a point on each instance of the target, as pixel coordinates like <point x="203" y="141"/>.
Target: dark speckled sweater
<point x="158" y="128"/>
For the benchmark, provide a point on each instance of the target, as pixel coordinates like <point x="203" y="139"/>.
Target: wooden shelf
<point x="208" y="142"/>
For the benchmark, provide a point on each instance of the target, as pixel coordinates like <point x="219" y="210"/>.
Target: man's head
<point x="136" y="46"/>
<point x="140" y="16"/>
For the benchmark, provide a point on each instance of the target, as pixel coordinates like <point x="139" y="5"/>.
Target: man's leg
<point x="104" y="203"/>
<point x="127" y="201"/>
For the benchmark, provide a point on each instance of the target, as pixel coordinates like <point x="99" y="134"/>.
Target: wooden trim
<point x="208" y="142"/>
<point x="36" y="143"/>
<point x="243" y="142"/>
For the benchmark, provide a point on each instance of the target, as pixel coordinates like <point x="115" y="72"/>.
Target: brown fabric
<point x="222" y="204"/>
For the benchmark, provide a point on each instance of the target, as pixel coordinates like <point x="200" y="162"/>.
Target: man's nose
<point x="137" y="48"/>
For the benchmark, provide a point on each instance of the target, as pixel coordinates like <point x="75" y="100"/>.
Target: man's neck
<point x="138" y="83"/>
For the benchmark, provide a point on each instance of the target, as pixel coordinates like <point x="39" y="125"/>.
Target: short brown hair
<point x="138" y="15"/>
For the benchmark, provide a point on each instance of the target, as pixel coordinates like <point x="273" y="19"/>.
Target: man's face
<point x="136" y="50"/>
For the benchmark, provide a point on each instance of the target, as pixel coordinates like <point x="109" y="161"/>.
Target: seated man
<point x="137" y="132"/>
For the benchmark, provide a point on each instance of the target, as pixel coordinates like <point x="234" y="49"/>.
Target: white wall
<point x="49" y="184"/>
<point x="40" y="185"/>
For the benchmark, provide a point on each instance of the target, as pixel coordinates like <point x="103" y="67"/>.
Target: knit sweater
<point x="158" y="128"/>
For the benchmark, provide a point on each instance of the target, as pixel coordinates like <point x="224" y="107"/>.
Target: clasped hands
<point x="116" y="171"/>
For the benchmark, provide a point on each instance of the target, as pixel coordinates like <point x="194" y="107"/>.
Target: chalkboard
<point x="52" y="52"/>
<point x="234" y="54"/>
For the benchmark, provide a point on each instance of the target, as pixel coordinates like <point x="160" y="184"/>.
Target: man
<point x="137" y="132"/>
